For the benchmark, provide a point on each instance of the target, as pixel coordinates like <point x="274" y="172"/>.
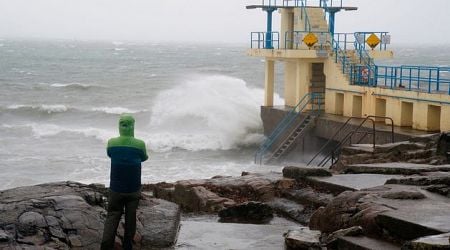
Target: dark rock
<point x="303" y="238"/>
<point x="291" y="210"/>
<point x="352" y="231"/>
<point x="248" y="212"/>
<point x="433" y="242"/>
<point x="32" y="219"/>
<point x="211" y="195"/>
<point x="4" y="236"/>
<point x="427" y="139"/>
<point x="69" y="214"/>
<point x="403" y="146"/>
<point x="439" y="189"/>
<point x="164" y="218"/>
<point x="299" y="173"/>
<point x="199" y="199"/>
<point x="346" y="210"/>
<point x="442" y="179"/>
<point x="308" y="197"/>
<point x="394" y="168"/>
<point x="404" y="195"/>
<point x="443" y="145"/>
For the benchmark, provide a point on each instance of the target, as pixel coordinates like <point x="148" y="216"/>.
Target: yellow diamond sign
<point x="310" y="39"/>
<point x="373" y="41"/>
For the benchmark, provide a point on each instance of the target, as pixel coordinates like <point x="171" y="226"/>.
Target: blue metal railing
<point x="351" y="40"/>
<point x="361" y="38"/>
<point x="287" y="121"/>
<point x="292" y="38"/>
<point x="367" y="64"/>
<point x="258" y="40"/>
<point x="431" y="79"/>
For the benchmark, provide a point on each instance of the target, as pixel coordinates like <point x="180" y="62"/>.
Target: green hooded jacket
<point x="126" y="153"/>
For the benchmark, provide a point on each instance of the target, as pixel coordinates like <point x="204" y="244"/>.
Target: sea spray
<point x="206" y="113"/>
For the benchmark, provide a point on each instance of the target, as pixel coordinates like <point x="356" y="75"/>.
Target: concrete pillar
<point x="393" y="110"/>
<point x="290" y="76"/>
<point x="287" y="25"/>
<point x="420" y="115"/>
<point x="303" y="78"/>
<point x="445" y="121"/>
<point x="269" y="83"/>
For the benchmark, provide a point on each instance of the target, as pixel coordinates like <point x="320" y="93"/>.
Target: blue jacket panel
<point x="125" y="168"/>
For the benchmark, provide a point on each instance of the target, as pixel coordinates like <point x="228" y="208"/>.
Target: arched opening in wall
<point x="434" y="118"/>
<point x="406" y="115"/>
<point x="357" y="106"/>
<point x="339" y="103"/>
<point x="380" y="109"/>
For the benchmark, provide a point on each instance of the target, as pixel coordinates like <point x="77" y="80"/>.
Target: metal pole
<point x="269" y="44"/>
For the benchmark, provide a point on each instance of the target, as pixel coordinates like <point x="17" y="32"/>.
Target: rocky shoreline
<point x="363" y="202"/>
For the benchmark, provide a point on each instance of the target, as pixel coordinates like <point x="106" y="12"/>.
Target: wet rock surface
<point x="303" y="239"/>
<point x="67" y="215"/>
<point x="428" y="149"/>
<point x="433" y="242"/>
<point x="247" y="212"/>
<point x="299" y="173"/>
<point x="223" y="191"/>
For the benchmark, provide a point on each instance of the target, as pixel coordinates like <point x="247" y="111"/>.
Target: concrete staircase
<point x="292" y="137"/>
<point x="317" y="19"/>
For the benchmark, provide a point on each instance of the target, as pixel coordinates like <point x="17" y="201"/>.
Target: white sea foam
<point x="73" y="85"/>
<point x="116" y="110"/>
<point x="57" y="108"/>
<point x="207" y="113"/>
<point x="43" y="130"/>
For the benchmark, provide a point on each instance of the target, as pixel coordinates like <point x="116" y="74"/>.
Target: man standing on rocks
<point x="126" y="153"/>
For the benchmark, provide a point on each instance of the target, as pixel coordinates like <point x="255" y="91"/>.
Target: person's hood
<point x="126" y="125"/>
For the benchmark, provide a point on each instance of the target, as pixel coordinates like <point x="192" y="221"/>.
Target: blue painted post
<point x="269" y="44"/>
<point x="331" y="20"/>
<point x="437" y="79"/>
<point x="429" y="81"/>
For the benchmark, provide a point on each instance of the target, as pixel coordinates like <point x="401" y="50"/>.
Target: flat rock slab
<point x="419" y="219"/>
<point x="433" y="242"/>
<point x="361" y="242"/>
<point x="350" y="182"/>
<point x="298" y="173"/>
<point x="213" y="235"/>
<point x="395" y="168"/>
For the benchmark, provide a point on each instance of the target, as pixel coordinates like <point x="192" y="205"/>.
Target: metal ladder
<point x="276" y="137"/>
<point x="296" y="133"/>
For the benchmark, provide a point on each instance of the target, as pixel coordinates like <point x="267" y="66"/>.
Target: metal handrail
<point x="343" y="126"/>
<point x="260" y="38"/>
<point x="297" y="42"/>
<point x="284" y="124"/>
<point x="306" y="18"/>
<point x="409" y="77"/>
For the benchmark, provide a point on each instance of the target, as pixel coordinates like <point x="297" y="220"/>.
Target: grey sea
<point x="196" y="105"/>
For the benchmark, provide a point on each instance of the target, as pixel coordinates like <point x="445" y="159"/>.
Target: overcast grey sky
<point x="409" y="21"/>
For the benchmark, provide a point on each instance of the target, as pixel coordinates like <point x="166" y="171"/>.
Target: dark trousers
<point x="116" y="204"/>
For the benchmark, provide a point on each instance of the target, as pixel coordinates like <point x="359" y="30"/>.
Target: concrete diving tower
<point x="341" y="67"/>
